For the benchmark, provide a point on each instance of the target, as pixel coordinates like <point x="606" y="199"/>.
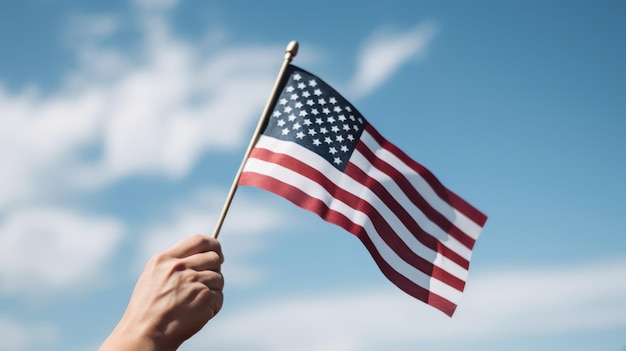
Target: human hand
<point x="179" y="291"/>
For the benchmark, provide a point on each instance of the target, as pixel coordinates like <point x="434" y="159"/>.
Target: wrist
<point x="125" y="338"/>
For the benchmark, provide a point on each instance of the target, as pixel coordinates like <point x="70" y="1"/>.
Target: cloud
<point x="151" y="111"/>
<point x="18" y="336"/>
<point x="247" y="226"/>
<point x="160" y="5"/>
<point x="87" y="27"/>
<point x="179" y="101"/>
<point x="46" y="250"/>
<point x="505" y="303"/>
<point x="384" y="53"/>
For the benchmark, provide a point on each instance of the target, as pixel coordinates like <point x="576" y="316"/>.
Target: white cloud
<point x="89" y="27"/>
<point x="156" y="4"/>
<point x="385" y="52"/>
<point x="151" y="111"/>
<point x="37" y="135"/>
<point x="18" y="336"/>
<point x="507" y="303"/>
<point x="246" y="228"/>
<point x="44" y="250"/>
<point x="179" y="101"/>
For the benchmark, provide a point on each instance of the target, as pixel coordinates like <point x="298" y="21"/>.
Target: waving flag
<point x="320" y="153"/>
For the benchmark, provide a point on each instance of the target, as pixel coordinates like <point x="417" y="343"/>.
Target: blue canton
<point x="312" y="114"/>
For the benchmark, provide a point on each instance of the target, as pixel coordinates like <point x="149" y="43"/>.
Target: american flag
<point x="320" y="153"/>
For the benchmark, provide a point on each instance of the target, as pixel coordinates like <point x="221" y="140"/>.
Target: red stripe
<point x="416" y="198"/>
<point x="446" y="194"/>
<point x="303" y="200"/>
<point x="379" y="223"/>
<point x="407" y="220"/>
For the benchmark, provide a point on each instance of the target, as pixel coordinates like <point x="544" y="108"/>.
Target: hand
<point x="179" y="291"/>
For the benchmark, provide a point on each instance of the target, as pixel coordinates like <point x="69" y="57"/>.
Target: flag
<point x="319" y="152"/>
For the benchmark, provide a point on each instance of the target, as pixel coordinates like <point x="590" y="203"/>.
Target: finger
<point x="211" y="279"/>
<point x="202" y="261"/>
<point x="194" y="244"/>
<point x="215" y="301"/>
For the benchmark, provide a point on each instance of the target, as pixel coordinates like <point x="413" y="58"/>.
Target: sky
<point x="123" y="123"/>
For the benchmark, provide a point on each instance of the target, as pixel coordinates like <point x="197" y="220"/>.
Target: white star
<point x="346" y="127"/>
<point x="281" y="122"/>
<point x="332" y="150"/>
<point x="283" y="101"/>
<point x="355" y="128"/>
<point x="303" y="113"/>
<point x="350" y="137"/>
<point x="300" y="135"/>
<point x="348" y="108"/>
<point x="292" y="117"/>
<point x="285" y="131"/>
<point x="298" y="104"/>
<point x="330" y="119"/>
<point x="310" y="102"/>
<point x="323" y="130"/>
<point x="312" y="131"/>
<point x="294" y="96"/>
<point x="326" y="111"/>
<point x="360" y="120"/>
<point x="301" y="85"/>
<point x="318" y="121"/>
<point x="344" y="148"/>
<point x="317" y="142"/>
<point x="307" y="122"/>
<point x="334" y="129"/>
<point x="296" y="126"/>
<point x="332" y="100"/>
<point x="287" y="109"/>
<point x="315" y="112"/>
<point x="312" y="83"/>
<point x="339" y="138"/>
<point x="297" y="76"/>
<point x="321" y="101"/>
<point x="337" y="109"/>
<point x="276" y="114"/>
<point x="289" y="89"/>
<point x="328" y="140"/>
<point x="306" y="94"/>
<point x="317" y="92"/>
<point x="352" y="118"/>
<point x="341" y="118"/>
<point x="337" y="160"/>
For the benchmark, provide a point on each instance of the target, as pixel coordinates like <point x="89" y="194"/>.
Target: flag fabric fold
<point x="320" y="153"/>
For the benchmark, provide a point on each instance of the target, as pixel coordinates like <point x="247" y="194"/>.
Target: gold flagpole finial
<point x="292" y="50"/>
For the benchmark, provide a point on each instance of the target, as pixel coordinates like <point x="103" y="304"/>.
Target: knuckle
<point x="220" y="282"/>
<point x="201" y="240"/>
<point x="188" y="276"/>
<point x="214" y="257"/>
<point x="158" y="259"/>
<point x="206" y="243"/>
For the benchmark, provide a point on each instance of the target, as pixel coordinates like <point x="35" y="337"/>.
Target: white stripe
<point x="357" y="189"/>
<point x="416" y="213"/>
<point x="461" y="221"/>
<point x="314" y="190"/>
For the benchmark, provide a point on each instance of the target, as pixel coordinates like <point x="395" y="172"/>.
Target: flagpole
<point x="290" y="52"/>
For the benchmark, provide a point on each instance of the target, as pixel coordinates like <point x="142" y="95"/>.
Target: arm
<point x="179" y="291"/>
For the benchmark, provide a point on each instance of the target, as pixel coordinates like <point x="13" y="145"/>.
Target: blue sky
<point x="123" y="124"/>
